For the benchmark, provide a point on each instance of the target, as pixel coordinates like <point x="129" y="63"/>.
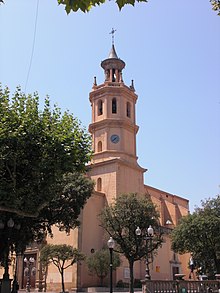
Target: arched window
<point x="113" y="75"/>
<point x="100" y="107"/>
<point x="114" y="106"/>
<point x="99" y="184"/>
<point x="128" y="109"/>
<point x="99" y="146"/>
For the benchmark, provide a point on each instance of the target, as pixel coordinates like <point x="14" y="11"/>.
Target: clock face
<point x="114" y="138"/>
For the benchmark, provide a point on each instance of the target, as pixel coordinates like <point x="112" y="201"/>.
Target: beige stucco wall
<point x="87" y="237"/>
<point x="171" y="207"/>
<point x="129" y="179"/>
<point x="91" y="236"/>
<point x="53" y="276"/>
<point x="107" y="173"/>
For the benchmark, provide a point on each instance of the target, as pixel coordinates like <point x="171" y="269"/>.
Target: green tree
<point x="43" y="157"/>
<point x="63" y="210"/>
<point x="199" y="233"/>
<point x="86" y="5"/>
<point x="62" y="256"/>
<point x="36" y="149"/>
<point x="98" y="263"/>
<point x="216" y="5"/>
<point x="121" y="220"/>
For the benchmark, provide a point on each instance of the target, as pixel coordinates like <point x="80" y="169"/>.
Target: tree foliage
<point x="199" y="233"/>
<point x="121" y="219"/>
<point x="36" y="149"/>
<point x="62" y="256"/>
<point x="98" y="263"/>
<point x="43" y="156"/>
<point x="216" y="6"/>
<point x="86" y="5"/>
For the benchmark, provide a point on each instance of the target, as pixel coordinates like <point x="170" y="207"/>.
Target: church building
<point x="115" y="170"/>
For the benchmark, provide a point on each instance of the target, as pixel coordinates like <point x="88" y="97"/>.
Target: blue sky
<point x="171" y="50"/>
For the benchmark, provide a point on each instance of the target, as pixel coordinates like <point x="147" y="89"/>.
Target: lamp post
<point x="15" y="285"/>
<point x="29" y="263"/>
<point x="148" y="237"/>
<point x="111" y="245"/>
<point x="6" y="229"/>
<point x="10" y="225"/>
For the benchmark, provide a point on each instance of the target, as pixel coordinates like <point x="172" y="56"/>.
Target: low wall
<point x="181" y="286"/>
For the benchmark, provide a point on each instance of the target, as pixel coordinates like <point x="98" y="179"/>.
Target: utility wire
<point x="33" y="45"/>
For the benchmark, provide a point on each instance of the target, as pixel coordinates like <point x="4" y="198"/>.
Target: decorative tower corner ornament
<point x="94" y="83"/>
<point x="132" y="85"/>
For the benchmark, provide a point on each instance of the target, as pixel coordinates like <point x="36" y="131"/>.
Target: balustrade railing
<point x="181" y="286"/>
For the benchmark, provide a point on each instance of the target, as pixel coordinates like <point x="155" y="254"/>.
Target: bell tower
<point x="114" y="130"/>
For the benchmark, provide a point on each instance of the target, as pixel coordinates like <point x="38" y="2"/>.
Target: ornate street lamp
<point x="10" y="225"/>
<point x="148" y="238"/>
<point x="15" y="285"/>
<point x="6" y="228"/>
<point x="111" y="245"/>
<point x="28" y="270"/>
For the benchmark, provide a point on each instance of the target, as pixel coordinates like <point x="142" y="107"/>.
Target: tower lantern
<point x="113" y="67"/>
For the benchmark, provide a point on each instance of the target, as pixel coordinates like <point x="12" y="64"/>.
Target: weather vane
<point x="112" y="33"/>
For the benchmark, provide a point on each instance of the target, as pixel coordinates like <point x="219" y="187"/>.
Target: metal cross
<point x="112" y="33"/>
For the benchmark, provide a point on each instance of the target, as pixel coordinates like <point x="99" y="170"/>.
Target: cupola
<point x="113" y="67"/>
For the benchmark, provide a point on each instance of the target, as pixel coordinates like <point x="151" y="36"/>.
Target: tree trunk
<point x="62" y="278"/>
<point x="217" y="263"/>
<point x="101" y="281"/>
<point x="131" y="285"/>
<point x="6" y="265"/>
